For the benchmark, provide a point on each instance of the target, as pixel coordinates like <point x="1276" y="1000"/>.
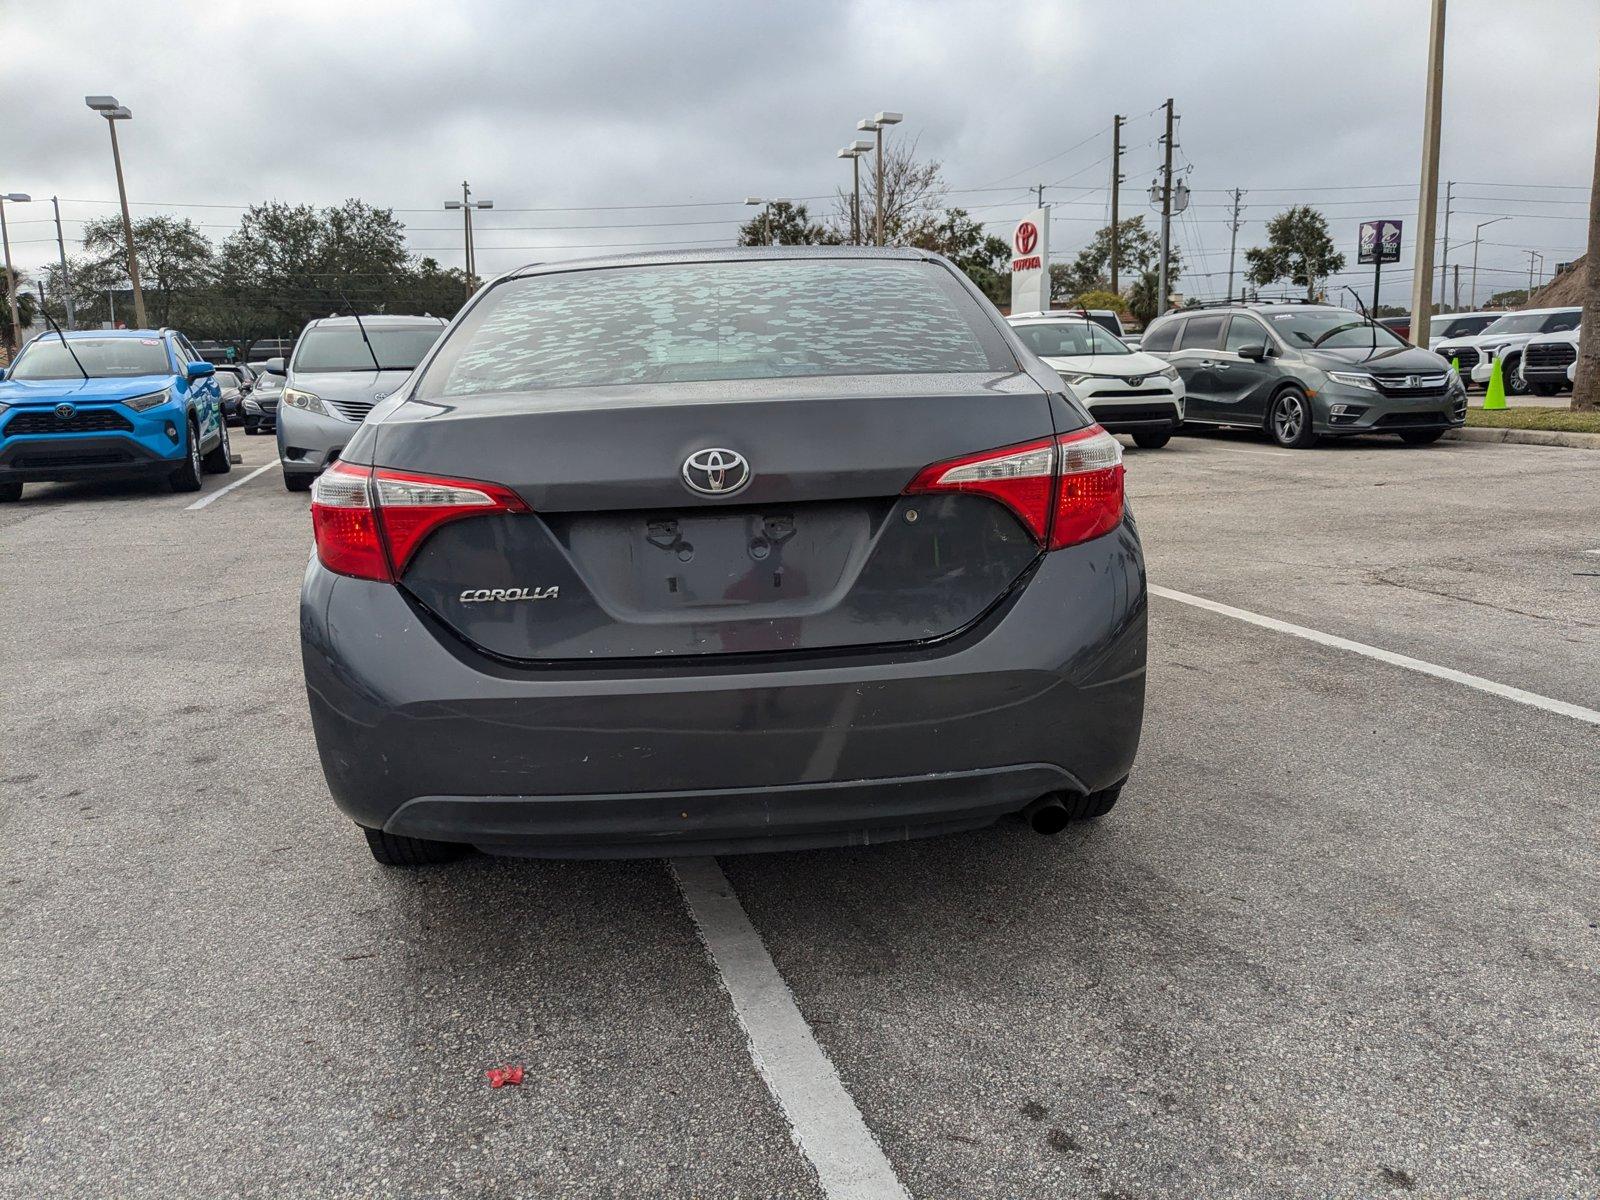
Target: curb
<point x="1527" y="437"/>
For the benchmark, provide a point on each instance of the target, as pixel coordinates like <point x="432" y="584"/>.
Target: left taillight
<point x="1065" y="489"/>
<point x="368" y="522"/>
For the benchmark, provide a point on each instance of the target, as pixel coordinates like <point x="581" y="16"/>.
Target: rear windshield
<point x="102" y="358"/>
<point x="342" y="348"/>
<point x="723" y="320"/>
<point x="1066" y="339"/>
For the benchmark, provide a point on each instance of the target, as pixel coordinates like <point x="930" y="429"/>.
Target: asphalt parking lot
<point x="1338" y="938"/>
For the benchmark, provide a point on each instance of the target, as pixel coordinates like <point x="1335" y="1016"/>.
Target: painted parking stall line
<point x="1504" y="690"/>
<point x="237" y="483"/>
<point x="823" y="1119"/>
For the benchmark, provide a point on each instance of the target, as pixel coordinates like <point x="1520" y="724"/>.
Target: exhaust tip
<point x="1047" y="815"/>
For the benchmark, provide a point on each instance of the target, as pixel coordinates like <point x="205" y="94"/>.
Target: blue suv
<point x="113" y="403"/>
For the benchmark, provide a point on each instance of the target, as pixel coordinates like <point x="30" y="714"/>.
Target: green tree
<point x="984" y="258"/>
<point x="1138" y="262"/>
<point x="783" y="223"/>
<point x="1100" y="299"/>
<point x="1298" y="249"/>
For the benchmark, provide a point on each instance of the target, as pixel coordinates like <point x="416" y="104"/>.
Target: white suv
<point x="1125" y="390"/>
<point x="1550" y="362"/>
<point x="1504" y="340"/>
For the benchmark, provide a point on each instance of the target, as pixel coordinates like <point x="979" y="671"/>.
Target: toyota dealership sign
<point x="1030" y="263"/>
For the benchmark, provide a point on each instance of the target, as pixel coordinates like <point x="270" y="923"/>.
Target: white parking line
<point x="1259" y="453"/>
<point x="223" y="491"/>
<point x="1503" y="690"/>
<point x="823" y="1119"/>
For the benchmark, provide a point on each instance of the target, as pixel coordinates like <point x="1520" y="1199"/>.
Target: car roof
<point x="655" y="258"/>
<point x="379" y="320"/>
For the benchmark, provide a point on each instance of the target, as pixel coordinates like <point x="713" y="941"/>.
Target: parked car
<point x="1103" y="317"/>
<point x="234" y="381"/>
<point x="1447" y="327"/>
<point x="1303" y="371"/>
<point x="100" y="404"/>
<point x="1550" y="362"/>
<point x="1399" y="326"/>
<point x="722" y="550"/>
<point x="1504" y="338"/>
<point x="261" y="405"/>
<point x="341" y="368"/>
<point x="1125" y="391"/>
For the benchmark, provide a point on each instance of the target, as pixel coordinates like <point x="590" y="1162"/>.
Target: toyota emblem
<point x="716" y="472"/>
<point x="65" y="411"/>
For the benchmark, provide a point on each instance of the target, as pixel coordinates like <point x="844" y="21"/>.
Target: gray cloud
<point x="543" y="105"/>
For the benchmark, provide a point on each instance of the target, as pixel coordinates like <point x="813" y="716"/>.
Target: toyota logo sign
<point x="716" y="472"/>
<point x="1027" y="238"/>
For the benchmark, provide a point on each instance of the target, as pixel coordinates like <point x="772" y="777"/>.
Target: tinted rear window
<point x="1161" y="337"/>
<point x="726" y="320"/>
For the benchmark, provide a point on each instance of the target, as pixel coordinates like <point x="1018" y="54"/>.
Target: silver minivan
<point x="340" y="368"/>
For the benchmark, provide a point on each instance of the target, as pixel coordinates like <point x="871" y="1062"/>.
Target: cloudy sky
<point x="631" y="124"/>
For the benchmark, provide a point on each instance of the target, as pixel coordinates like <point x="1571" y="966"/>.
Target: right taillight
<point x="1065" y="490"/>
<point x="368" y="522"/>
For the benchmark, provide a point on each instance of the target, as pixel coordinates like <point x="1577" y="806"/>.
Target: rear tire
<point x="1545" y="389"/>
<point x="298" y="483"/>
<point x="187" y="477"/>
<point x="1421" y="437"/>
<point x="396" y="850"/>
<point x="220" y="460"/>
<point x="1289" y="420"/>
<point x="1095" y="804"/>
<point x="10" y="492"/>
<point x="1152" y="439"/>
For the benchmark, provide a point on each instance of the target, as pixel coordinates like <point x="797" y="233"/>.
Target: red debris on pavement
<point x="501" y="1076"/>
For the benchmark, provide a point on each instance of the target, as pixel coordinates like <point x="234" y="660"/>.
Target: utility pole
<point x="1166" y="211"/>
<point x="11" y="278"/>
<point x="1444" y="242"/>
<point x="1533" y="254"/>
<point x="1428" y="189"/>
<point x="1455" y="300"/>
<point x="1117" y="123"/>
<point x="66" y="276"/>
<point x="1233" y="238"/>
<point x="466" y="204"/>
<point x="1586" y="384"/>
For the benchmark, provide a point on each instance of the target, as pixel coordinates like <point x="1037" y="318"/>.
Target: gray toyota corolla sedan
<point x="723" y="551"/>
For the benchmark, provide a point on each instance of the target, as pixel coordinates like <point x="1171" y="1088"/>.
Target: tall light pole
<point x="66" y="276"/>
<point x="853" y="152"/>
<point x="113" y="112"/>
<point x="1477" y="233"/>
<point x="875" y="125"/>
<point x="11" y="277"/>
<point x="466" y="204"/>
<point x="772" y="228"/>
<point x="1428" y="189"/>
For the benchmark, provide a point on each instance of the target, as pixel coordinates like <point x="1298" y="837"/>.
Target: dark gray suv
<point x="1303" y="371"/>
<point x="719" y="551"/>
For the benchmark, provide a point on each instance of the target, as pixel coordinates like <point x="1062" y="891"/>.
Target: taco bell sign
<point x="1030" y="263"/>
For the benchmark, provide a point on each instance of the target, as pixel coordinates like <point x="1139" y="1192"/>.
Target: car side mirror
<point x="1256" y="353"/>
<point x="274" y="366"/>
<point x="199" y="370"/>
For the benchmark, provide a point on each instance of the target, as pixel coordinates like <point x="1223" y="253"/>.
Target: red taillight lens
<point x="1065" y="490"/>
<point x="368" y="523"/>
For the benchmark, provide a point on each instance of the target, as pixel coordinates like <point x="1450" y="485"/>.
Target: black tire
<point x="10" y="492"/>
<point x="1289" y="420"/>
<point x="298" y="483"/>
<point x="220" y="460"/>
<point x="186" y="478"/>
<point x="1095" y="804"/>
<point x="1516" y="385"/>
<point x="394" y="850"/>
<point x="1545" y="389"/>
<point x="251" y="428"/>
<point x="1152" y="439"/>
<point x="1421" y="437"/>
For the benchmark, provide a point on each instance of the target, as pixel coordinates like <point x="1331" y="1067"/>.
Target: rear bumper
<point x="422" y="736"/>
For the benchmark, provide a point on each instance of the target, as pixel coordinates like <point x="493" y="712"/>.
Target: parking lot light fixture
<point x="113" y="112"/>
<point x="768" y="202"/>
<point x="875" y="125"/>
<point x="10" y="274"/>
<point x="853" y="152"/>
<point x="1477" y="233"/>
<point x="466" y="204"/>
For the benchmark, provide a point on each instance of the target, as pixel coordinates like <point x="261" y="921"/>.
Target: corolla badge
<point x="716" y="471"/>
<point x="65" y="411"/>
<point x="502" y="595"/>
